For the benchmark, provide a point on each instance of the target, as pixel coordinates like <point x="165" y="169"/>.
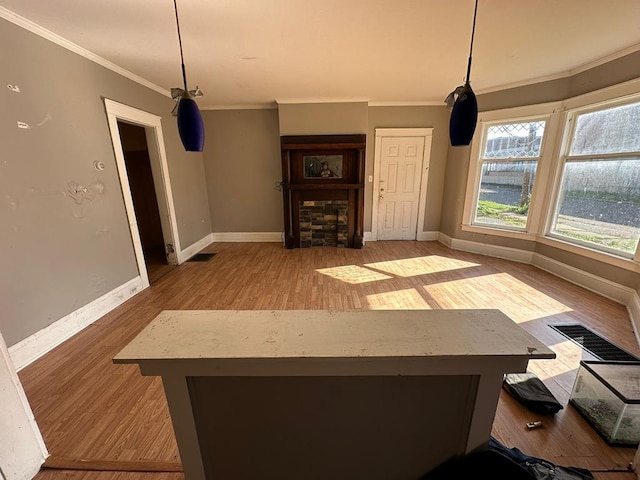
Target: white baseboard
<point x="633" y="306"/>
<point x="606" y="288"/>
<point x="445" y="239"/>
<point x="247" y="237"/>
<point x="508" y="253"/>
<point x="427" y="236"/>
<point x="33" y="347"/>
<point x="420" y="237"/>
<point x="194" y="248"/>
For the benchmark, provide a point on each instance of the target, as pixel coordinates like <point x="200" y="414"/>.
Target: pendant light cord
<point x="184" y="72"/>
<point x="473" y="31"/>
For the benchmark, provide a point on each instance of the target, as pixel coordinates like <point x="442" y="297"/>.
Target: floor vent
<point x="593" y="343"/>
<point x="201" y="257"/>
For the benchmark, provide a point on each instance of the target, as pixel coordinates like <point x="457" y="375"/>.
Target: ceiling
<point x="257" y="52"/>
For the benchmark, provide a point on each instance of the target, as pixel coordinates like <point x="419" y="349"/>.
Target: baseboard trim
<point x="634" y="313"/>
<point x="144" y="466"/>
<point x="420" y="236"/>
<point x="427" y="236"/>
<point x="247" y="237"/>
<point x="33" y="347"/>
<point x="606" y="288"/>
<point x="194" y="248"/>
<point x="507" y="253"/>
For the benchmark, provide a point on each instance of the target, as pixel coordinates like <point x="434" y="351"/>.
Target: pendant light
<point x="463" y="105"/>
<point x="190" y="124"/>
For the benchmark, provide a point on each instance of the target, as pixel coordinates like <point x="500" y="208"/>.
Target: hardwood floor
<point x="97" y="415"/>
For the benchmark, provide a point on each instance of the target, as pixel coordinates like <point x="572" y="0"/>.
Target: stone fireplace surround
<point x="323" y="223"/>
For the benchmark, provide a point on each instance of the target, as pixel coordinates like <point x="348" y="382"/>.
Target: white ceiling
<point x="255" y="52"/>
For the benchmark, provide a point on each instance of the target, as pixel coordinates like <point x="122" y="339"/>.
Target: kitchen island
<point x="313" y="394"/>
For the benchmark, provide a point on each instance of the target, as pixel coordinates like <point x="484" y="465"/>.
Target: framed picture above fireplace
<point x="323" y="166"/>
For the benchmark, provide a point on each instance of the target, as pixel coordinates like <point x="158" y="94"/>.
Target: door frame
<point x="427" y="134"/>
<point x="160" y="168"/>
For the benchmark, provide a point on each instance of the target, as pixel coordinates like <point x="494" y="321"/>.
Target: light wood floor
<point x="94" y="414"/>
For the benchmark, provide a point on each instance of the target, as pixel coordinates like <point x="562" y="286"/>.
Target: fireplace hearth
<point x="323" y="190"/>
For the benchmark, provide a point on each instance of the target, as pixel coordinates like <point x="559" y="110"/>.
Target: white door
<point x="399" y="187"/>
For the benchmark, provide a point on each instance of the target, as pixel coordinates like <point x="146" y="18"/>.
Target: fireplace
<point x="323" y="190"/>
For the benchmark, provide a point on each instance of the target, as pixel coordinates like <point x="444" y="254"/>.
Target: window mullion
<point x="602" y="156"/>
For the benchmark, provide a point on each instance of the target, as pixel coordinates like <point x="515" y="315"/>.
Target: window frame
<point x="532" y="113"/>
<point x="562" y="156"/>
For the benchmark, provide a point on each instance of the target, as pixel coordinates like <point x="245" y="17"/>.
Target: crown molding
<point x="258" y="106"/>
<point x="569" y="73"/>
<point x="421" y="103"/>
<point x="293" y="101"/>
<point x="75" y="48"/>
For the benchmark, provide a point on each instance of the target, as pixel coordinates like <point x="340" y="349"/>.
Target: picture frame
<point x="322" y="166"/>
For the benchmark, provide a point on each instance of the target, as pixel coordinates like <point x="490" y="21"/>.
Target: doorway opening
<point x="145" y="201"/>
<point x="142" y="167"/>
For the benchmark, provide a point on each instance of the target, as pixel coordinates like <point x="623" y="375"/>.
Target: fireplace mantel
<point x="324" y="169"/>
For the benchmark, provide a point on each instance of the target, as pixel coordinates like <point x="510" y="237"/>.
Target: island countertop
<point x="319" y="342"/>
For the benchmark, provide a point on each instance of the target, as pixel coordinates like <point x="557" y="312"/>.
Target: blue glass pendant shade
<point x="464" y="118"/>
<point x="190" y="124"/>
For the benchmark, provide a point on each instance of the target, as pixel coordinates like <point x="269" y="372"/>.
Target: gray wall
<point x="242" y="164"/>
<point x="62" y="250"/>
<point x="612" y="73"/>
<point x="323" y="118"/>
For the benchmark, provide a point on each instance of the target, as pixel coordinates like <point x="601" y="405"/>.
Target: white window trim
<point x="549" y="170"/>
<point x="545" y="112"/>
<point x="561" y="155"/>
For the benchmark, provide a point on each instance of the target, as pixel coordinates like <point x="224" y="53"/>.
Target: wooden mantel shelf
<point x="283" y="394"/>
<point x="344" y="186"/>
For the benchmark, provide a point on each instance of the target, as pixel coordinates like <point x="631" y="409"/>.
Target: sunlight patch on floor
<point x="412" y="267"/>
<point x="559" y="374"/>
<point x="514" y="298"/>
<point x="353" y="274"/>
<point x="407" y="299"/>
<point x="550" y="369"/>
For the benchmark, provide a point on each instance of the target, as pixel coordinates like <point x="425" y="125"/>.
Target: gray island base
<point x="367" y="394"/>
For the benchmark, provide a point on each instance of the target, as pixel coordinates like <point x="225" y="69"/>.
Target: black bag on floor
<point x="538" y="468"/>
<point x="497" y="462"/>
<point x="531" y="392"/>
